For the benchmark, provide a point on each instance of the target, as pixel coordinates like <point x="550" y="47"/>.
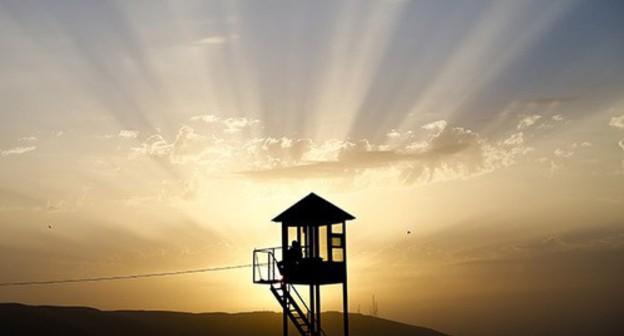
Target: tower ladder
<point x="297" y="315"/>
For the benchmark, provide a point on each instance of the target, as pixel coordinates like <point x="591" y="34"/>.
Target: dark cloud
<point x="449" y="149"/>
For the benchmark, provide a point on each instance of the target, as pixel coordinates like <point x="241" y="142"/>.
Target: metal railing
<point x="266" y="257"/>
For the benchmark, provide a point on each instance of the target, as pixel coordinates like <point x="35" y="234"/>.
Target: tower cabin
<point x="312" y="253"/>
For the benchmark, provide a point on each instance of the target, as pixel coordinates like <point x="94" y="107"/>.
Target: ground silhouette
<point x="19" y="319"/>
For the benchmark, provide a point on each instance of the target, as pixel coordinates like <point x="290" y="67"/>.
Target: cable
<point x="124" y="277"/>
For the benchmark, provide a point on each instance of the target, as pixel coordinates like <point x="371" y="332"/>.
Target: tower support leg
<point x="318" y="309"/>
<point x="345" y="309"/>
<point x="285" y="313"/>
<point x="312" y="309"/>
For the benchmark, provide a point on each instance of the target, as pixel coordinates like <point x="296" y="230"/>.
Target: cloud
<point x="128" y="134"/>
<point x="235" y="125"/>
<point x="207" y="118"/>
<point x="393" y="134"/>
<point x="269" y="153"/>
<point x="617" y="122"/>
<point x="557" y="117"/>
<point x="341" y="159"/>
<point x="436" y="125"/>
<point x="191" y="146"/>
<point x="154" y="146"/>
<point x="228" y="125"/>
<point x="18" y="151"/>
<point x="449" y="153"/>
<point x="28" y="139"/>
<point x="452" y="153"/>
<point x="584" y="144"/>
<point x="452" y="141"/>
<point x="433" y="152"/>
<point x="528" y="121"/>
<point x="563" y="153"/>
<point x="187" y="146"/>
<point x="514" y="139"/>
<point x="217" y="39"/>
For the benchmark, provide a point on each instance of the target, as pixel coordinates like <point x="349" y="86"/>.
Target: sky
<point x="154" y="136"/>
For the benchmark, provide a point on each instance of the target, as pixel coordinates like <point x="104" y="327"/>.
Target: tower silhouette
<point x="317" y="232"/>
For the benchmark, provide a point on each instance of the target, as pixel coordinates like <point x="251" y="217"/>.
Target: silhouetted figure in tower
<point x="295" y="252"/>
<point x="291" y="258"/>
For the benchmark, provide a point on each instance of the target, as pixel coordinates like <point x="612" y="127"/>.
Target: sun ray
<point x="483" y="55"/>
<point x="362" y="33"/>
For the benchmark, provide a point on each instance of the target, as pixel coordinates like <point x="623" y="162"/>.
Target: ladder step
<point x="300" y="319"/>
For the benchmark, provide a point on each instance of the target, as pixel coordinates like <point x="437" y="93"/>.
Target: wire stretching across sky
<point x="124" y="277"/>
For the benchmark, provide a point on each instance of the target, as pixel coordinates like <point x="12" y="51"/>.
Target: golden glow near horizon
<point x="140" y="137"/>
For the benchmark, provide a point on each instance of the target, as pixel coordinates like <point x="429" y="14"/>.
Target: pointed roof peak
<point x="313" y="210"/>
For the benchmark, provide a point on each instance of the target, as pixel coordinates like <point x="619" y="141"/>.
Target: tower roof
<point x="313" y="210"/>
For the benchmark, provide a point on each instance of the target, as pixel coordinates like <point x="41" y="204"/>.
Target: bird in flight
<point x="49" y="226"/>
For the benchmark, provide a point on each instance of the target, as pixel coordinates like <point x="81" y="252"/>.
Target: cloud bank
<point x="18" y="150"/>
<point x="434" y="152"/>
<point x="617" y="122"/>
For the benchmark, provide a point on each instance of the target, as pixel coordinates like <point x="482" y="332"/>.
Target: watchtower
<point x="317" y="255"/>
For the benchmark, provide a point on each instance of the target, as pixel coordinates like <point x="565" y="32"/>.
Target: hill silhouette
<point x="19" y="319"/>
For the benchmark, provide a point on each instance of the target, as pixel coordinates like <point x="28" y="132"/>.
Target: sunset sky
<point x="153" y="136"/>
